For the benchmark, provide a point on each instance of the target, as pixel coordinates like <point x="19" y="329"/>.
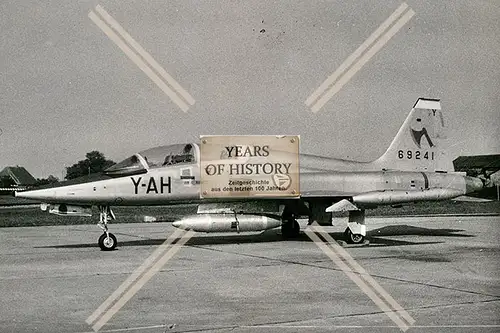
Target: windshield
<point x="169" y="155"/>
<point x="129" y="166"/>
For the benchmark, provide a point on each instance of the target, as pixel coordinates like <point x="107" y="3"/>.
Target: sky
<point x="67" y="88"/>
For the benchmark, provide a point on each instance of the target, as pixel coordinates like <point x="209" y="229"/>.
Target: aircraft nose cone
<point x="35" y="194"/>
<point x="473" y="184"/>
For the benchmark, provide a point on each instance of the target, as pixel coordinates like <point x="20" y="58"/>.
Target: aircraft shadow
<point x="409" y="230"/>
<point x="375" y="237"/>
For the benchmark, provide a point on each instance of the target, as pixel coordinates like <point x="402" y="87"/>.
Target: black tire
<point x="290" y="229"/>
<point x="353" y="238"/>
<point x="107" y="245"/>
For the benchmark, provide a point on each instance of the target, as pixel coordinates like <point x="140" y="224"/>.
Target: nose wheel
<point x="107" y="241"/>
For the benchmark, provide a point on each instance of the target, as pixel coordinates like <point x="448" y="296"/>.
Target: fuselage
<point x="319" y="176"/>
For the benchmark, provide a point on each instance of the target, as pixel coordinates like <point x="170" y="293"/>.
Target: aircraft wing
<point x="327" y="194"/>
<point x="244" y="206"/>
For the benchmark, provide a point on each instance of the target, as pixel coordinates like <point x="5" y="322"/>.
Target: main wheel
<point x="353" y="238"/>
<point x="107" y="243"/>
<point x="290" y="229"/>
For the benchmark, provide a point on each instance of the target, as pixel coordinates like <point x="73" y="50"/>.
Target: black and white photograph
<point x="249" y="166"/>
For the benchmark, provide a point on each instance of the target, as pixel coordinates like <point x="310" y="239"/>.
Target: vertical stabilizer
<point x="419" y="143"/>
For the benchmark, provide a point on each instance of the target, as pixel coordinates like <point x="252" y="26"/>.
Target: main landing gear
<point x="356" y="228"/>
<point x="353" y="238"/>
<point x="290" y="228"/>
<point x="321" y="213"/>
<point x="107" y="241"/>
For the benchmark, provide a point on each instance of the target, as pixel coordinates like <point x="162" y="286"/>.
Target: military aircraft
<point x="413" y="168"/>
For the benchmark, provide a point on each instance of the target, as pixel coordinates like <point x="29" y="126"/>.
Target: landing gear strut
<point x="107" y="241"/>
<point x="290" y="228"/>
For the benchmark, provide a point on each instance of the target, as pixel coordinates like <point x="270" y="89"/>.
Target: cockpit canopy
<point x="129" y="166"/>
<point x="155" y="158"/>
<point x="169" y="155"/>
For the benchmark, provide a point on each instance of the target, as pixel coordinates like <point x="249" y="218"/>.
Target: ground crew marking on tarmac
<point x="134" y="287"/>
<point x="142" y="59"/>
<point x="344" y="78"/>
<point x="356" y="273"/>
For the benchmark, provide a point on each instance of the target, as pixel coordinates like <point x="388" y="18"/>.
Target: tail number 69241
<point x="415" y="155"/>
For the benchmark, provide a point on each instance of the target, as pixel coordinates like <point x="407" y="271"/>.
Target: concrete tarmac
<point x="442" y="270"/>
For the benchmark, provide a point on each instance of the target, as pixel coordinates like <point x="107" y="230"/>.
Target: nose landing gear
<point x="107" y="241"/>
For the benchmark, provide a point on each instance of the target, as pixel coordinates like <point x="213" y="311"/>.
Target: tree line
<point x="94" y="162"/>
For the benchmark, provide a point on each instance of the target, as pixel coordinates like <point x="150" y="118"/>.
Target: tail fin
<point x="419" y="144"/>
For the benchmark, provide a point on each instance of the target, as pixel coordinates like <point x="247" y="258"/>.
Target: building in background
<point x="15" y="178"/>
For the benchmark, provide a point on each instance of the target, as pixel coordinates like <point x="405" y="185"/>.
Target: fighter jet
<point x="414" y="168"/>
